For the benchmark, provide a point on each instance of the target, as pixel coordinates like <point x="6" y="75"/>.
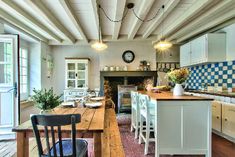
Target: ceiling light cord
<point x="129" y="6"/>
<point x="99" y="31"/>
<point x="162" y="36"/>
<point x="105" y="14"/>
<point x="163" y="44"/>
<point x="99" y="46"/>
<point x="143" y="20"/>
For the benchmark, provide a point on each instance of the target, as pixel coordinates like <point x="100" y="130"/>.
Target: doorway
<point x="9" y="91"/>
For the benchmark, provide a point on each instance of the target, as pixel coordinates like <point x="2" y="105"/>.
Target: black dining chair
<point x="63" y="147"/>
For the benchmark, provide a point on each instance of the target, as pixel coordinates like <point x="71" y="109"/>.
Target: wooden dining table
<point x="92" y="122"/>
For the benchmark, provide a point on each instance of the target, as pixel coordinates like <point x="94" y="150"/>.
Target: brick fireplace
<point x="110" y="80"/>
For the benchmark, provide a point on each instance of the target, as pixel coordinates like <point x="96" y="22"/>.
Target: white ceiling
<point x="76" y="21"/>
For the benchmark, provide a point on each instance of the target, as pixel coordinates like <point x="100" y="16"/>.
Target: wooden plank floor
<point x="7" y="148"/>
<point x="220" y="148"/>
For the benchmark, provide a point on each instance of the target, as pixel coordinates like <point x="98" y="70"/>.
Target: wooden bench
<point x="111" y="139"/>
<point x="112" y="144"/>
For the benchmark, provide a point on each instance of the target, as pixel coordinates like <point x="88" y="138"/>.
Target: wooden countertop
<point x="168" y="96"/>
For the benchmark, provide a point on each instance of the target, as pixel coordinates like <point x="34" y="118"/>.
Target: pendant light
<point x="99" y="45"/>
<point x="163" y="44"/>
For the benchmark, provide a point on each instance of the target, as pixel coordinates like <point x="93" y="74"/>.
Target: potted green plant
<point x="46" y="100"/>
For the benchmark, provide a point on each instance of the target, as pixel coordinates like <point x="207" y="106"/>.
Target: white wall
<point x="142" y="51"/>
<point x="1" y="28"/>
<point x="60" y="52"/>
<point x="230" y="42"/>
<point x="35" y="66"/>
<point x="38" y="66"/>
<point x="171" y="55"/>
<point x="112" y="56"/>
<point x="46" y="81"/>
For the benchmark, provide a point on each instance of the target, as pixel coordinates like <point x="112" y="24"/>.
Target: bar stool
<point x="135" y="113"/>
<point x="147" y="115"/>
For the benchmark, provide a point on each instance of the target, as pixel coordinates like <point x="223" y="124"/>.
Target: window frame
<point x="24" y="95"/>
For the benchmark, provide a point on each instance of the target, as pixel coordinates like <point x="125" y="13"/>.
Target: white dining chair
<point x="147" y="115"/>
<point x="135" y="113"/>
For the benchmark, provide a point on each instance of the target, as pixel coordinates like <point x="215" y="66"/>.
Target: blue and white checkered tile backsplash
<point x="220" y="74"/>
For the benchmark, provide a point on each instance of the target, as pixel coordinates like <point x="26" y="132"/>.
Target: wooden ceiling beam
<point x="119" y="10"/>
<point x="69" y="11"/>
<point x="222" y="5"/>
<point x="142" y="13"/>
<point x="36" y="39"/>
<point x="109" y="39"/>
<point x="46" y="13"/>
<point x="12" y="20"/>
<point x="168" y="8"/>
<point x="96" y="16"/>
<point x="31" y="19"/>
<point x="189" y="13"/>
<point x="229" y="13"/>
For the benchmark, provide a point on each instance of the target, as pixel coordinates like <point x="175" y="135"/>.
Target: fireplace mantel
<point x="125" y="74"/>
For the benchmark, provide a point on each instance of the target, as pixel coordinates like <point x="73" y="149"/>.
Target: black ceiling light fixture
<point x="129" y="6"/>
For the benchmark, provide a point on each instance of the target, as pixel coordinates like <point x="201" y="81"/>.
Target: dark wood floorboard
<point x="220" y="148"/>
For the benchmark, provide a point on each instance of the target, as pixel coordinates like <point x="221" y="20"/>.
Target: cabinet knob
<point x="226" y="119"/>
<point x="217" y="117"/>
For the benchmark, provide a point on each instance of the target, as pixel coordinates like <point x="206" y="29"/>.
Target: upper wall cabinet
<point x="185" y="53"/>
<point x="207" y="48"/>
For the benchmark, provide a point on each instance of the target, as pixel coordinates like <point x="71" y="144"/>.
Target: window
<point x="6" y="63"/>
<point x="24" y="83"/>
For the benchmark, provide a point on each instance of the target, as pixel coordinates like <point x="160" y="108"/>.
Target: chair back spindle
<point x="134" y="99"/>
<point x="143" y="102"/>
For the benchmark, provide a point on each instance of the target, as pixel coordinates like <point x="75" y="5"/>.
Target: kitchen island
<point x="182" y="124"/>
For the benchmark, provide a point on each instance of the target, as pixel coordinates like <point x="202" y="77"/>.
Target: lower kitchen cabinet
<point x="223" y="118"/>
<point x="228" y="119"/>
<point x="216" y="116"/>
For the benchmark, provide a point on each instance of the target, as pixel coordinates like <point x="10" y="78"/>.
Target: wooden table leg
<point x="97" y="144"/>
<point x="22" y="142"/>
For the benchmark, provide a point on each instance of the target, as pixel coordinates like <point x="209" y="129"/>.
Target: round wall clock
<point x="128" y="56"/>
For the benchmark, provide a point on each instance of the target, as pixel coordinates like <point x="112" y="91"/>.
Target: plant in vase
<point x="178" y="77"/>
<point x="46" y="100"/>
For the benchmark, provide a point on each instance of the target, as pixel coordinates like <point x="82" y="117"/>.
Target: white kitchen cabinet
<point x="216" y="116"/>
<point x="198" y="50"/>
<point x="183" y="127"/>
<point x="228" y="119"/>
<point x="76" y="73"/>
<point x="76" y="78"/>
<point x="207" y="48"/>
<point x="185" y="51"/>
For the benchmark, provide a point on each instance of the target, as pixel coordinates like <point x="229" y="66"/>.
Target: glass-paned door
<point x="8" y="85"/>
<point x="81" y="75"/>
<point x="71" y="75"/>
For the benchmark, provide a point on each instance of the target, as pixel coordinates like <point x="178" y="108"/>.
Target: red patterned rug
<point x="131" y="146"/>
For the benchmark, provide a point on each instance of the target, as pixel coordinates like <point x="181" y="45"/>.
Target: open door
<point x="9" y="98"/>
